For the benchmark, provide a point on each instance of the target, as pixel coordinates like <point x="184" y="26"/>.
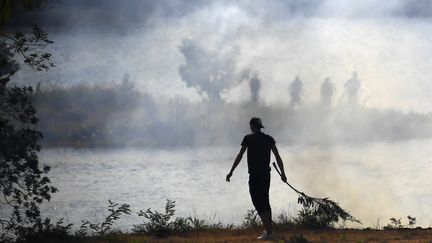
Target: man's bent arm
<point x="279" y="161"/>
<point x="236" y="162"/>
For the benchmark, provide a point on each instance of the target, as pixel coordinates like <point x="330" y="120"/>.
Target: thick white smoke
<point x="226" y="54"/>
<point x="207" y="67"/>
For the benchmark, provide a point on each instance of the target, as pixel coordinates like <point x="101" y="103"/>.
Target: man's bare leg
<point x="266" y="218"/>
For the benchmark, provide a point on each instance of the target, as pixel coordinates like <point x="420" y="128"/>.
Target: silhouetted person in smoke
<point x="255" y="86"/>
<point x="352" y="88"/>
<point x="296" y="90"/>
<point x="258" y="147"/>
<point x="327" y="91"/>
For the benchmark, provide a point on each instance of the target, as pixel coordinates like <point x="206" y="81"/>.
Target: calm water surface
<point x="373" y="181"/>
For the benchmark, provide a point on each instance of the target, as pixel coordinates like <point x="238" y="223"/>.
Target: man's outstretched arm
<point x="236" y="162"/>
<point x="279" y="162"/>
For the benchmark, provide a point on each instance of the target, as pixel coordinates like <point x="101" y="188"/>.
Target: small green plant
<point x="162" y="224"/>
<point x="201" y="224"/>
<point x="284" y="219"/>
<point x="411" y="221"/>
<point x="315" y="219"/>
<point x="181" y="225"/>
<point x="100" y="229"/>
<point x="251" y="219"/>
<point x="394" y="224"/>
<point x="158" y="223"/>
<point x="197" y="223"/>
<point x="397" y="223"/>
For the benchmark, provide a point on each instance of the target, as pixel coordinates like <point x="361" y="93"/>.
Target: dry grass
<point x="321" y="236"/>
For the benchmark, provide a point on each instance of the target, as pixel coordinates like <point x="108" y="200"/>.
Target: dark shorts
<point x="259" y="186"/>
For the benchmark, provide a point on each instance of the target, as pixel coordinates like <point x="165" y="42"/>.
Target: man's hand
<point x="228" y="177"/>
<point x="283" y="177"/>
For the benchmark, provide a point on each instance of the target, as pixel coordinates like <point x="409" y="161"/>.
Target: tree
<point x="24" y="184"/>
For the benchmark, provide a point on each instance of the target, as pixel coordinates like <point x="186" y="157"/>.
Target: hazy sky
<point x="386" y="42"/>
<point x="202" y="50"/>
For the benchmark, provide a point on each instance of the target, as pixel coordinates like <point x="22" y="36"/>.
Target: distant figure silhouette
<point x="255" y="86"/>
<point x="296" y="91"/>
<point x="258" y="147"/>
<point x="352" y="88"/>
<point x="327" y="91"/>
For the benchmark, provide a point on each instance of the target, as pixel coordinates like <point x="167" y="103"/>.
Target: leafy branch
<point x="101" y="228"/>
<point x="320" y="212"/>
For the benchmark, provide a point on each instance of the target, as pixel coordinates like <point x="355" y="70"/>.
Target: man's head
<point x="255" y="124"/>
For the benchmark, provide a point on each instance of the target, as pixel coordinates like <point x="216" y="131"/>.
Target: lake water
<point x="373" y="181"/>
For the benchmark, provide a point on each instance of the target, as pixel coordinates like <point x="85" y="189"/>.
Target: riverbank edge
<point x="290" y="235"/>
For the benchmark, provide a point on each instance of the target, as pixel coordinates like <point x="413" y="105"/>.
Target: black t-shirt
<point x="258" y="152"/>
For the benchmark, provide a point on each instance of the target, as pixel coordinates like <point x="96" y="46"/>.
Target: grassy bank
<point x="292" y="235"/>
<point x="164" y="226"/>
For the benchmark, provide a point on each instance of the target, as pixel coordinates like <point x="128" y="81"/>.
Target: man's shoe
<point x="265" y="236"/>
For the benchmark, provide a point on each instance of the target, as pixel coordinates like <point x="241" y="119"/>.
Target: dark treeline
<point x="120" y="115"/>
<point x="77" y="115"/>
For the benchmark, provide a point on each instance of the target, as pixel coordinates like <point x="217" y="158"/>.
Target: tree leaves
<point x="101" y="228"/>
<point x="319" y="212"/>
<point x="23" y="184"/>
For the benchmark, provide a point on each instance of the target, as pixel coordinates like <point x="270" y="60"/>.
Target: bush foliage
<point x="163" y="224"/>
<point x="24" y="184"/>
<point x="102" y="228"/>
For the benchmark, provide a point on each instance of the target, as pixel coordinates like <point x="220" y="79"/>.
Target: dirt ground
<point x="293" y="236"/>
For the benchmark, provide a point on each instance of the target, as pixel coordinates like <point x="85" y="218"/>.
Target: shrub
<point x="397" y="223"/>
<point x="320" y="212"/>
<point x="284" y="219"/>
<point x="314" y="219"/>
<point x="197" y="223"/>
<point x="411" y="221"/>
<point x="158" y="223"/>
<point x="201" y="224"/>
<point x="181" y="225"/>
<point x="161" y="224"/>
<point x="251" y="219"/>
<point x="394" y="224"/>
<point x="100" y="229"/>
<point x="43" y="231"/>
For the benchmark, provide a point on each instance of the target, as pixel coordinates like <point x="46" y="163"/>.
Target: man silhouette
<point x="327" y="91"/>
<point x="352" y="88"/>
<point x="258" y="147"/>
<point x="296" y="91"/>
